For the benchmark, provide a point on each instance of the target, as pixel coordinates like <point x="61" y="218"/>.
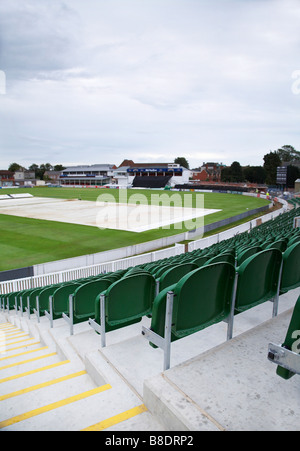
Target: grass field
<point x="25" y="242"/>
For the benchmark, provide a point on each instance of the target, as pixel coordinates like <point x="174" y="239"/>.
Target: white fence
<point x="87" y="271"/>
<point x="107" y="256"/>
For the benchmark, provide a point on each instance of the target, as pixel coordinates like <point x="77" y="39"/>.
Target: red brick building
<point x="6" y="178"/>
<point x="208" y="172"/>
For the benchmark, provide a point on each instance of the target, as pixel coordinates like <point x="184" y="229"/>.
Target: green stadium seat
<point x="200" y="261"/>
<point x="290" y="278"/>
<point x="201" y="298"/>
<point x="136" y="270"/>
<point x="267" y="243"/>
<point x="173" y="275"/>
<point x="11" y="300"/>
<point x="246" y="253"/>
<point x="294" y="240"/>
<point x="258" y="281"/>
<point x="59" y="301"/>
<point x="81" y="305"/>
<point x="3" y="299"/>
<point x="31" y="300"/>
<point x="42" y="300"/>
<point x="24" y="300"/>
<point x="279" y="244"/>
<point x="287" y="355"/>
<point x="19" y="301"/>
<point x="225" y="257"/>
<point x="124" y="303"/>
<point x="161" y="269"/>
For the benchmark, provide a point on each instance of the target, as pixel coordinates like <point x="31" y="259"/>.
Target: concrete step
<point x="232" y="387"/>
<point x="45" y="385"/>
<point x="130" y="392"/>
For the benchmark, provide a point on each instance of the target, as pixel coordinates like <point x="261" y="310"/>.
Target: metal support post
<point x="102" y="319"/>
<point x="232" y="307"/>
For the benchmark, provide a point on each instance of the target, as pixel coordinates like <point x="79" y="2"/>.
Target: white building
<point x="150" y="175"/>
<point x="94" y="175"/>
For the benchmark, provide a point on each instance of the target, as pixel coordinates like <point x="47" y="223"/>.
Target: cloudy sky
<point x="98" y="81"/>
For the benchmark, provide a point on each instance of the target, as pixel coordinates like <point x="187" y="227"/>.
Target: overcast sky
<point x="98" y="81"/>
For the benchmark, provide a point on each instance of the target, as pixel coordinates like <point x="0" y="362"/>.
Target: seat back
<point x="84" y="299"/>
<point x="246" y="253"/>
<point x="128" y="300"/>
<point x="267" y="243"/>
<point x="294" y="240"/>
<point x="161" y="269"/>
<point x="135" y="270"/>
<point x="32" y="298"/>
<point x="258" y="279"/>
<point x="11" y="300"/>
<point x="225" y="257"/>
<point x="291" y="341"/>
<point x="44" y="298"/>
<point x="60" y="298"/>
<point x="23" y="294"/>
<point x="279" y="244"/>
<point x="291" y="268"/>
<point x="201" y="298"/>
<point x="18" y="296"/>
<point x="173" y="275"/>
<point x="200" y="261"/>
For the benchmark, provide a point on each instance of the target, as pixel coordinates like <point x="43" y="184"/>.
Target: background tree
<point x="236" y="172"/>
<point x="292" y="175"/>
<point x="254" y="174"/>
<point x="226" y="174"/>
<point x="182" y="161"/>
<point x="271" y="162"/>
<point x="33" y="167"/>
<point x="58" y="167"/>
<point x="13" y="167"/>
<point x="289" y="154"/>
<point x="233" y="173"/>
<point x="40" y="170"/>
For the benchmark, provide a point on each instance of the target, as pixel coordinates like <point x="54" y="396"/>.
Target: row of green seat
<point x="54" y="297"/>
<point x="127" y="295"/>
<point x="219" y="291"/>
<point x="132" y="296"/>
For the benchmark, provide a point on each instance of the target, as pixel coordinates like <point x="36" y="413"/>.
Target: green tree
<point x="182" y="161"/>
<point x="234" y="173"/>
<point x="226" y="174"/>
<point x="288" y="153"/>
<point x="13" y="167"/>
<point x="271" y="162"/>
<point x="40" y="170"/>
<point x="293" y="175"/>
<point x="58" y="167"/>
<point x="33" y="167"/>
<point x="254" y="174"/>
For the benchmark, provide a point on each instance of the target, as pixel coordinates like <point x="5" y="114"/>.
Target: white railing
<point x="87" y="271"/>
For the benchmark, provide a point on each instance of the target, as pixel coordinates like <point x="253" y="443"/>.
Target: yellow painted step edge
<point x="54" y="405"/>
<point x="42" y="385"/>
<point x="117" y="418"/>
